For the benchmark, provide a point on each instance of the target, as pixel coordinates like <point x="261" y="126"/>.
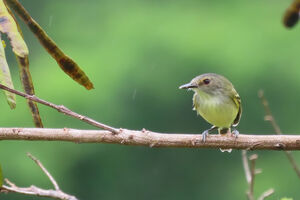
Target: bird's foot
<point x="235" y="133"/>
<point x="204" y="135"/>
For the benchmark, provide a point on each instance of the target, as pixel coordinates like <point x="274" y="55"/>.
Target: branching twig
<point x="266" y="194"/>
<point x="62" y="109"/>
<point x="252" y="159"/>
<point x="269" y="117"/>
<point x="143" y="137"/>
<point x="35" y="191"/>
<point x="54" y="183"/>
<point x="250" y="173"/>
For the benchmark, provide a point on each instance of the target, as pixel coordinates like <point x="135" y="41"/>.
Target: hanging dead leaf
<point x="5" y="77"/>
<point x="29" y="89"/>
<point x="9" y="27"/>
<point x="64" y="61"/>
<point x="26" y="79"/>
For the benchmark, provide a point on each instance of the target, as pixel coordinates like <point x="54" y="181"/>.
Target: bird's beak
<point x="188" y="86"/>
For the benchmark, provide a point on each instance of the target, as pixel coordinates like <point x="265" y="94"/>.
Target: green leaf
<point x="5" y="77"/>
<point x="285" y="198"/>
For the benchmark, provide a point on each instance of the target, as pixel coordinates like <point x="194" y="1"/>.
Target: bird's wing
<point x="194" y="102"/>
<point x="237" y="100"/>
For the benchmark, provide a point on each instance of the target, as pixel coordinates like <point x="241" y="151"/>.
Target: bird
<point x="217" y="101"/>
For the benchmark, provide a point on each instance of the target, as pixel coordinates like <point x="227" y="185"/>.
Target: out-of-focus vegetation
<point x="137" y="53"/>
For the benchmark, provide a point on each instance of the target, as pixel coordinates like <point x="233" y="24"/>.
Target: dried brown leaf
<point x="29" y="89"/>
<point x="65" y="62"/>
<point x="291" y="15"/>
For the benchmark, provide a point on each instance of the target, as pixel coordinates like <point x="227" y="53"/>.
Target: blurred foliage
<point x="1" y="177"/>
<point x="137" y="53"/>
<point x="291" y="15"/>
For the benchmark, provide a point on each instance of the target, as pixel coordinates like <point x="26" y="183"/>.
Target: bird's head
<point x="209" y="83"/>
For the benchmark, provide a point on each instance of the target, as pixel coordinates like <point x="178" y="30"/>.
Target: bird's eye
<point x="206" y="81"/>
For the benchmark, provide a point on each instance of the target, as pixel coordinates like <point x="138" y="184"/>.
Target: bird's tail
<point x="226" y="150"/>
<point x="224" y="131"/>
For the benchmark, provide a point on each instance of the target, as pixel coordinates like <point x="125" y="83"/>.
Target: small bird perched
<point x="217" y="101"/>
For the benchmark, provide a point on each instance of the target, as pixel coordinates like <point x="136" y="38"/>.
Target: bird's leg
<point x="206" y="132"/>
<point x="223" y="131"/>
<point x="235" y="132"/>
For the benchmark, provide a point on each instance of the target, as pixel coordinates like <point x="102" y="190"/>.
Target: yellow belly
<point x="219" y="112"/>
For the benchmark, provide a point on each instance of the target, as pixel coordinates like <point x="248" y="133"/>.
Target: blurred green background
<point x="137" y="53"/>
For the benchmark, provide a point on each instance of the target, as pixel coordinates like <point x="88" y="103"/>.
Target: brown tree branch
<point x="269" y="117"/>
<point x="153" y="139"/>
<point x="35" y="191"/>
<point x="143" y="137"/>
<point x="62" y="109"/>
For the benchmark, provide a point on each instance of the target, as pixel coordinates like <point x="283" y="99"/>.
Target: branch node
<point x="258" y="171"/>
<point x="130" y="137"/>
<point x="193" y="142"/>
<point x="66" y="129"/>
<point x="152" y="144"/>
<point x="280" y="146"/>
<point x="145" y="130"/>
<point x="268" y="118"/>
<point x="253" y="157"/>
<point x="9" y="182"/>
<point x="16" y="130"/>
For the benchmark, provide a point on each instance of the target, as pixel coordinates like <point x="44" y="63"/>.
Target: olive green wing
<point x="237" y="100"/>
<point x="195" y="106"/>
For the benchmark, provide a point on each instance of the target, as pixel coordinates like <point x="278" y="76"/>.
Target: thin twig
<point x="62" y="109"/>
<point x="36" y="191"/>
<point x="269" y="117"/>
<point x="268" y="114"/>
<point x="252" y="159"/>
<point x="250" y="173"/>
<point x="266" y="194"/>
<point x="246" y="166"/>
<point x="54" y="183"/>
